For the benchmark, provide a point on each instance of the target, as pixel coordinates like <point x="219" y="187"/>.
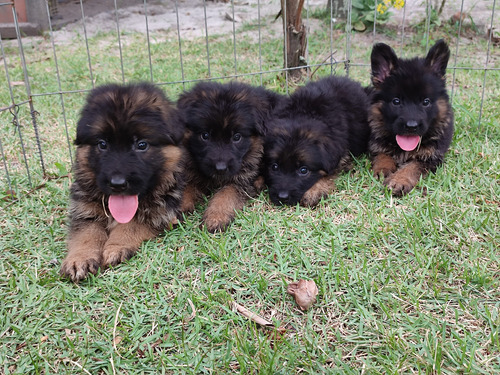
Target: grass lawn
<point x="407" y="285"/>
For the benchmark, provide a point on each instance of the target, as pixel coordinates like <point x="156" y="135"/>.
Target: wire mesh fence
<point x="176" y="43"/>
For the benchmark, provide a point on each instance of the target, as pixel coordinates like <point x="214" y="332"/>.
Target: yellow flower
<point x="387" y="2"/>
<point x="399" y="4"/>
<point x="381" y="8"/>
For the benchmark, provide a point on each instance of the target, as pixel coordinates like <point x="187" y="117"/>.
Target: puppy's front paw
<point x="115" y="254"/>
<point x="216" y="221"/>
<point x="383" y="172"/>
<point x="383" y="165"/>
<point x="399" y="184"/>
<point x="76" y="268"/>
<point x="320" y="189"/>
<point x="311" y="198"/>
<point x="222" y="208"/>
<point x="404" y="179"/>
<point x="187" y="207"/>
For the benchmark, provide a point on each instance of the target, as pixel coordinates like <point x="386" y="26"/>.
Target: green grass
<point x="408" y="285"/>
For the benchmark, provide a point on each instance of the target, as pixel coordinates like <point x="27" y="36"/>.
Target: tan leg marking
<point x="124" y="241"/>
<point x="222" y="208"/>
<point x="383" y="163"/>
<point x="320" y="189"/>
<point x="84" y="256"/>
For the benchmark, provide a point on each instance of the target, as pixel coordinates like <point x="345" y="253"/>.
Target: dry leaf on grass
<point x="252" y="316"/>
<point x="117" y="340"/>
<point x="304" y="291"/>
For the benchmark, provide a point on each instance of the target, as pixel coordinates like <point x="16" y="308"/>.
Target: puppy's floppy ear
<point x="261" y="117"/>
<point x="383" y="61"/>
<point x="330" y="156"/>
<point x="175" y="125"/>
<point x="262" y="112"/>
<point x="437" y="58"/>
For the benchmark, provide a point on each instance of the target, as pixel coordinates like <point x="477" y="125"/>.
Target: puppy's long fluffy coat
<point x="128" y="176"/>
<point x="411" y="118"/>
<point x="226" y="124"/>
<point x="311" y="138"/>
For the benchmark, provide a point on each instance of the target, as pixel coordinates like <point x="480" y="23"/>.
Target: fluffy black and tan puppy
<point x="127" y="176"/>
<point x="312" y="137"/>
<point x="411" y="118"/>
<point x="226" y="125"/>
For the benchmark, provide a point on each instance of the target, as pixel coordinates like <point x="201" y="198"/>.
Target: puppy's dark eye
<point x="426" y="102"/>
<point x="303" y="171"/>
<point x="102" y="144"/>
<point x="142" y="146"/>
<point x="274" y="167"/>
<point x="237" y="137"/>
<point x="396" y="101"/>
<point x="205" y="136"/>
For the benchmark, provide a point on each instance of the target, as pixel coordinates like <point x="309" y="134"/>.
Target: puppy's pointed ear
<point x="383" y="61"/>
<point x="437" y="58"/>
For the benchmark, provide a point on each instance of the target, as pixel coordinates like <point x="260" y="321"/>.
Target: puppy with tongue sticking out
<point x="411" y="119"/>
<point x="128" y="176"/>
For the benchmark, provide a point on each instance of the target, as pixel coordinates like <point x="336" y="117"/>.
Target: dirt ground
<point x="196" y="16"/>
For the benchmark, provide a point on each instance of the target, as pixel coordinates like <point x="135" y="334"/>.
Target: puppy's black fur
<point x="411" y="118"/>
<point x="226" y="125"/>
<point x="311" y="138"/>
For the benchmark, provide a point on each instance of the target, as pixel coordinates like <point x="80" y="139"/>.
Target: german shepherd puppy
<point x="226" y="124"/>
<point x="312" y="137"/>
<point x="128" y="176"/>
<point x="411" y="119"/>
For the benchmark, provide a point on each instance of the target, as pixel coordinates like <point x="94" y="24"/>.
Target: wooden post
<point x="295" y="37"/>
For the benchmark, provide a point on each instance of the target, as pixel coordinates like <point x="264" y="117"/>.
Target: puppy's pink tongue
<point x="408" y="142"/>
<point x="123" y="207"/>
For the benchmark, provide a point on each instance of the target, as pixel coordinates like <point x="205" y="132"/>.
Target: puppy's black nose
<point x="283" y="196"/>
<point x="118" y="183"/>
<point x="411" y="124"/>
<point x="221" y="166"/>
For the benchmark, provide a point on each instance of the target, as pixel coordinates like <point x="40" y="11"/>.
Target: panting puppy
<point x="411" y="118"/>
<point x="128" y="176"/>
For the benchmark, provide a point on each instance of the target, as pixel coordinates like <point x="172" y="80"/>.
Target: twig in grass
<point x="114" y="333"/>
<point x="404" y="301"/>
<point x="252" y="316"/>
<point x="79" y="366"/>
<point x="112" y="364"/>
<point x="193" y="313"/>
